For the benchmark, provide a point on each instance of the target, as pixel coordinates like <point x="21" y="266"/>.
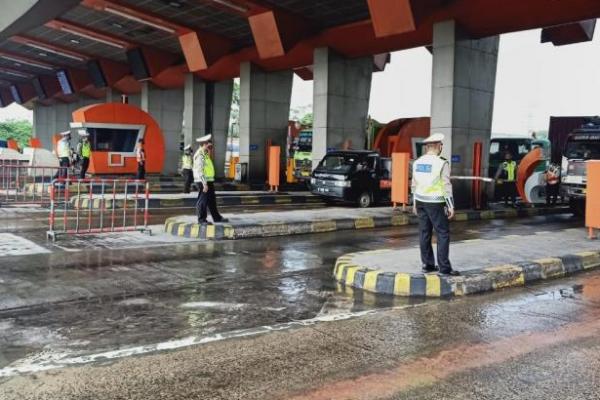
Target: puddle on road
<point x="80" y="331"/>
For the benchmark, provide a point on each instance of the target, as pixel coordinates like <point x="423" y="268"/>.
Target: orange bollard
<point x="400" y="179"/>
<point x="592" y="207"/>
<point x="274" y="168"/>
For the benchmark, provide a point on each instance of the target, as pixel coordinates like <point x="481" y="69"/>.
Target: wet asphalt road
<point x="106" y="297"/>
<point x="531" y="343"/>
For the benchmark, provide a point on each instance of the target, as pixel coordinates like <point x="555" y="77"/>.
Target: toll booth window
<point x="113" y="139"/>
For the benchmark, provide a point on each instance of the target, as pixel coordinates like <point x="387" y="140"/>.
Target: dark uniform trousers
<point x="188" y="178"/>
<point x="85" y="164"/>
<point x="509" y="191"/>
<point x="206" y="201"/>
<point x="432" y="217"/>
<point x="141" y="171"/>
<point x="63" y="171"/>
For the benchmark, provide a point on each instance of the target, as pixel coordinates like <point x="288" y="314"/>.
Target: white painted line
<point x="49" y="360"/>
<point x="13" y="245"/>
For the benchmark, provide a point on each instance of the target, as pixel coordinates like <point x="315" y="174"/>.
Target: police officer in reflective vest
<point x="63" y="151"/>
<point x="187" y="163"/>
<point x="84" y="151"/>
<point x="204" y="176"/>
<point x="433" y="203"/>
<point x="506" y="176"/>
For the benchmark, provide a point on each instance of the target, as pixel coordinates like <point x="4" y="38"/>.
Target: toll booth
<point x="114" y="129"/>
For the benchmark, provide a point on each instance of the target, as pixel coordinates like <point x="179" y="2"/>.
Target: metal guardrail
<point x="64" y="220"/>
<point x="21" y="184"/>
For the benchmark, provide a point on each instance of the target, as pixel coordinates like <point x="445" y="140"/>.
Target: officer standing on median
<point x="84" y="151"/>
<point x="204" y="176"/>
<point x="187" y="163"/>
<point x="506" y="176"/>
<point x="433" y="203"/>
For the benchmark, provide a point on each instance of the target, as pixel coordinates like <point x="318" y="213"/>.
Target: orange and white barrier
<point x="21" y="184"/>
<point x="122" y="206"/>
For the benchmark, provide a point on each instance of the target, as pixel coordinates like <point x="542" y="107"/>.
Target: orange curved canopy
<point x="528" y="164"/>
<point x="118" y="113"/>
<point x="396" y="136"/>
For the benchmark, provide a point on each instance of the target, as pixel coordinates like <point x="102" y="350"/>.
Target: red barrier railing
<point x="93" y="207"/>
<point x="23" y="184"/>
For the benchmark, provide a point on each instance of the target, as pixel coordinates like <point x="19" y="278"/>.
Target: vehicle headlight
<point x="313" y="181"/>
<point x="343" y="183"/>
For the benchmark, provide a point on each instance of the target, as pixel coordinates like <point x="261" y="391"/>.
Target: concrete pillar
<point x="221" y="111"/>
<point x="43" y="124"/>
<point x="264" y="114"/>
<point x="341" y="101"/>
<point x="194" y="109"/>
<point x="166" y="107"/>
<point x="463" y="84"/>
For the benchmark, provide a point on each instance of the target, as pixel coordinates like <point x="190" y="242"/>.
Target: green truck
<point x="303" y="155"/>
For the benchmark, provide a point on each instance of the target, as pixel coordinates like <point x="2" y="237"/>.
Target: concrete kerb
<point x="84" y="202"/>
<point x="175" y="227"/>
<point x="350" y="273"/>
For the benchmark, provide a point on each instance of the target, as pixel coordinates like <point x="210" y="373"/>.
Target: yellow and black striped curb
<point x="190" y="202"/>
<point x="282" y="228"/>
<point x="347" y="272"/>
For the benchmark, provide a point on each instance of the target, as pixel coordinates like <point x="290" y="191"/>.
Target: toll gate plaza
<point x="312" y="286"/>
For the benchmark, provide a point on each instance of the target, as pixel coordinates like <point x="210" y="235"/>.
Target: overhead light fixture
<point x="231" y="5"/>
<point x="53" y="51"/>
<point x="43" y="54"/>
<point x="14" y="73"/>
<point x="139" y="20"/>
<point x="30" y="63"/>
<point x="75" y="41"/>
<point x="92" y="37"/>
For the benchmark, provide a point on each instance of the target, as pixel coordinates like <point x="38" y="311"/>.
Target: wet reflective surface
<point x="97" y="295"/>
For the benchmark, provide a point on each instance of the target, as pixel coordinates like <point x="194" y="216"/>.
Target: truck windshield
<point x="338" y="163"/>
<point x="583" y="150"/>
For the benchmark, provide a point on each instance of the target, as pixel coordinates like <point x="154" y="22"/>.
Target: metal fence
<point x="113" y="205"/>
<point x="21" y="184"/>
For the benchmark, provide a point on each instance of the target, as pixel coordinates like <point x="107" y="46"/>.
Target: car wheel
<point x="365" y="200"/>
<point x="577" y="207"/>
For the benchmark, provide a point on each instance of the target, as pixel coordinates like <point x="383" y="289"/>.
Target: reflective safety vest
<point x="86" y="150"/>
<point x="427" y="175"/>
<point x="186" y="161"/>
<point x="510" y="169"/>
<point x="209" y="168"/>
<point x="62" y="149"/>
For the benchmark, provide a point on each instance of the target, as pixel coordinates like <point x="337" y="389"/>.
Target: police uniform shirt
<point x="431" y="180"/>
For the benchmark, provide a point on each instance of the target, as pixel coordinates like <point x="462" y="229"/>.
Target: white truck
<point x="582" y="144"/>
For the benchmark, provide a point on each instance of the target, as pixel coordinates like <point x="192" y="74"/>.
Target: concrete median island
<point x="267" y="224"/>
<point x="485" y="265"/>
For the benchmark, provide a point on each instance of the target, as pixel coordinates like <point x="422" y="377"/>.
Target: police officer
<point x="204" y="176"/>
<point x="434" y="205"/>
<point x="507" y="177"/>
<point x="63" y="151"/>
<point x="84" y="151"/>
<point x="186" y="167"/>
<point x="140" y="155"/>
